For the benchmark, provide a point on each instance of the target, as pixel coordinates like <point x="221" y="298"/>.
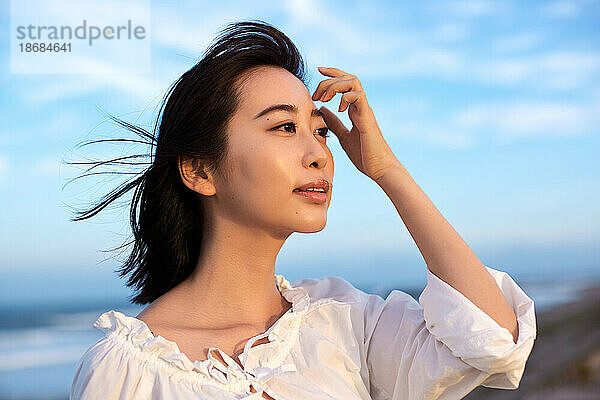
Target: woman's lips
<point x="315" y="197"/>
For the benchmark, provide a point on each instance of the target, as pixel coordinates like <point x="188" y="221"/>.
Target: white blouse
<point x="336" y="342"/>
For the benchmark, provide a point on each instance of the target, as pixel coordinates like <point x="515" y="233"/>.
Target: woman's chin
<point x="312" y="226"/>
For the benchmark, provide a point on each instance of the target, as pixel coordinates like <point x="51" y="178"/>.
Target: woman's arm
<point x="445" y="252"/>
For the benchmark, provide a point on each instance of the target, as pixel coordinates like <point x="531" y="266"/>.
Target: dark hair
<point x="166" y="217"/>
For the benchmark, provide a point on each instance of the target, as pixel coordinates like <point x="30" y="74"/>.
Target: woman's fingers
<point x="338" y="86"/>
<point x="321" y="88"/>
<point x="331" y="71"/>
<point x="339" y="76"/>
<point x="334" y="123"/>
<point x="324" y="85"/>
<point x="347" y="87"/>
<point x="348" y="98"/>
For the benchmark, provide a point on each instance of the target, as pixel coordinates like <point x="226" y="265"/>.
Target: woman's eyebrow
<point x="315" y="112"/>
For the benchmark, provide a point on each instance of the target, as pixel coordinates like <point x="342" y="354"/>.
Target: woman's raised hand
<point x="364" y="144"/>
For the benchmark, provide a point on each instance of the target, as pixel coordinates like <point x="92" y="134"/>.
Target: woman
<point x="241" y="163"/>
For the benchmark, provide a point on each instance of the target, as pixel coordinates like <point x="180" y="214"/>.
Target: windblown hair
<point x="166" y="217"/>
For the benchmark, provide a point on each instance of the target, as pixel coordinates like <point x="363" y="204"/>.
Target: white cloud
<point x="412" y="62"/>
<point x="450" y="32"/>
<point x="397" y="122"/>
<point x="404" y="52"/>
<point x="375" y="51"/>
<point x="140" y="86"/>
<point x="181" y="35"/>
<point x="67" y="88"/>
<point x="175" y="32"/>
<point x="302" y="11"/>
<point x="48" y="166"/>
<point x="560" y="70"/>
<point x="530" y="118"/>
<point x="561" y="8"/>
<point x="439" y="60"/>
<point x="469" y="8"/>
<point x="191" y="26"/>
<point x="49" y="88"/>
<point x="3" y="167"/>
<point x="65" y="12"/>
<point x="505" y="121"/>
<point x="523" y="41"/>
<point x="451" y="139"/>
<point x="416" y="52"/>
<point x="307" y="17"/>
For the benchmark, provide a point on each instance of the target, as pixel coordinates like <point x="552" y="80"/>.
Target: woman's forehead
<point x="275" y="96"/>
<point x="272" y="84"/>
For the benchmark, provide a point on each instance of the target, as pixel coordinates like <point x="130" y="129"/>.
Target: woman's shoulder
<point x="364" y="306"/>
<point x="332" y="288"/>
<point x="109" y="363"/>
<point x="125" y="337"/>
<point x="128" y="349"/>
<point x="108" y="351"/>
<point x="128" y="340"/>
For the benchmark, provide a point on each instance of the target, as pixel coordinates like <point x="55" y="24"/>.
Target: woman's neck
<point x="233" y="281"/>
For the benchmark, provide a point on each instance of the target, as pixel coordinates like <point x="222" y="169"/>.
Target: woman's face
<point x="273" y="154"/>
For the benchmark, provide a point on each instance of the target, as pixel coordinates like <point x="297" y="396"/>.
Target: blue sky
<point x="493" y="107"/>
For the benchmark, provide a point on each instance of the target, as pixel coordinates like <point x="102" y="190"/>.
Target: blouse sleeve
<point x="106" y="371"/>
<point x="445" y="346"/>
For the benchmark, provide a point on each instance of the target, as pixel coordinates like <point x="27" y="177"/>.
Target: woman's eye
<point x="321" y="131"/>
<point x="289" y="124"/>
<point x="324" y="132"/>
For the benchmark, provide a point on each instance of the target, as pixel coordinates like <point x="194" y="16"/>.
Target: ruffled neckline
<point x="260" y="362"/>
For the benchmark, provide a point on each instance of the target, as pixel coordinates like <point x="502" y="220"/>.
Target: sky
<point x="493" y="108"/>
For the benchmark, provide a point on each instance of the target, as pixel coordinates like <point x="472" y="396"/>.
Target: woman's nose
<point x="314" y="151"/>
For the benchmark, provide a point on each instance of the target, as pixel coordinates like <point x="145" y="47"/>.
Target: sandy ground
<point x="565" y="361"/>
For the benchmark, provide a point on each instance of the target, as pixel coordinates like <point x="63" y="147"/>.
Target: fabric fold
<point x="134" y="331"/>
<point x="473" y="335"/>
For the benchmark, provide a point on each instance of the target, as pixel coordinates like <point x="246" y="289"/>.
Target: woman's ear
<point x="195" y="175"/>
